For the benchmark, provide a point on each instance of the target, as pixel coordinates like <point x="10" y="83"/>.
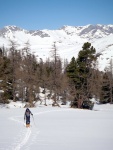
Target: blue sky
<point x="53" y="14"/>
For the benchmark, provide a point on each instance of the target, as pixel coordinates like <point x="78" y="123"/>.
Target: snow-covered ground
<point x="56" y="128"/>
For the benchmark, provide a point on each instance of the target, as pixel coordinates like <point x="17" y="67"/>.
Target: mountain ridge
<point x="69" y="40"/>
<point x="79" y="30"/>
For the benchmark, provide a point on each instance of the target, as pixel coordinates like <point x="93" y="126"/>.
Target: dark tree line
<point x="22" y="75"/>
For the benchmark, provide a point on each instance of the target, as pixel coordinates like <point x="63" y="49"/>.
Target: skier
<point x="27" y="117"/>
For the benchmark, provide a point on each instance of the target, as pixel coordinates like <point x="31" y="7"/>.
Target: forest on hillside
<point x="22" y="75"/>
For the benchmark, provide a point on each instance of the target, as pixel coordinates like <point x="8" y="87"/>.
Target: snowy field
<point x="57" y="129"/>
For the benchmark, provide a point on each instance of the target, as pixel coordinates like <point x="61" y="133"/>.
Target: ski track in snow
<point x="25" y="134"/>
<point x="23" y="141"/>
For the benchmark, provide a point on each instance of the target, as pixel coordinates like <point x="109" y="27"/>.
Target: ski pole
<point x="33" y="121"/>
<point x="24" y="122"/>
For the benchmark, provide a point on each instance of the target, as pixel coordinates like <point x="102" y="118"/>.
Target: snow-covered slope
<point x="57" y="129"/>
<point x="69" y="40"/>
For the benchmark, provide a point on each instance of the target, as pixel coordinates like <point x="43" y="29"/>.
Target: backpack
<point x="27" y="113"/>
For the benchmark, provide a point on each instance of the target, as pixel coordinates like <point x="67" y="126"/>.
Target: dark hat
<point x="27" y="109"/>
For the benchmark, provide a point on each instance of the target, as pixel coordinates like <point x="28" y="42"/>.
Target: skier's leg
<point x="27" y="122"/>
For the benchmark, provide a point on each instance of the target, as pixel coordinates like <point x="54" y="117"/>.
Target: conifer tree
<point x="5" y="79"/>
<point x="56" y="72"/>
<point x="105" y="91"/>
<point x="80" y="71"/>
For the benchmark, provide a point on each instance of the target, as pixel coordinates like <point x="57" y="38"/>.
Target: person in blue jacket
<point x="27" y="117"/>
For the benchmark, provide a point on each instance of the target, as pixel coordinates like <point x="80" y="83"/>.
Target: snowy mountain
<point x="90" y="31"/>
<point x="69" y="41"/>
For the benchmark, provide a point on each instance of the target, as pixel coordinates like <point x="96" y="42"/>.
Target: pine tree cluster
<point x="22" y="75"/>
